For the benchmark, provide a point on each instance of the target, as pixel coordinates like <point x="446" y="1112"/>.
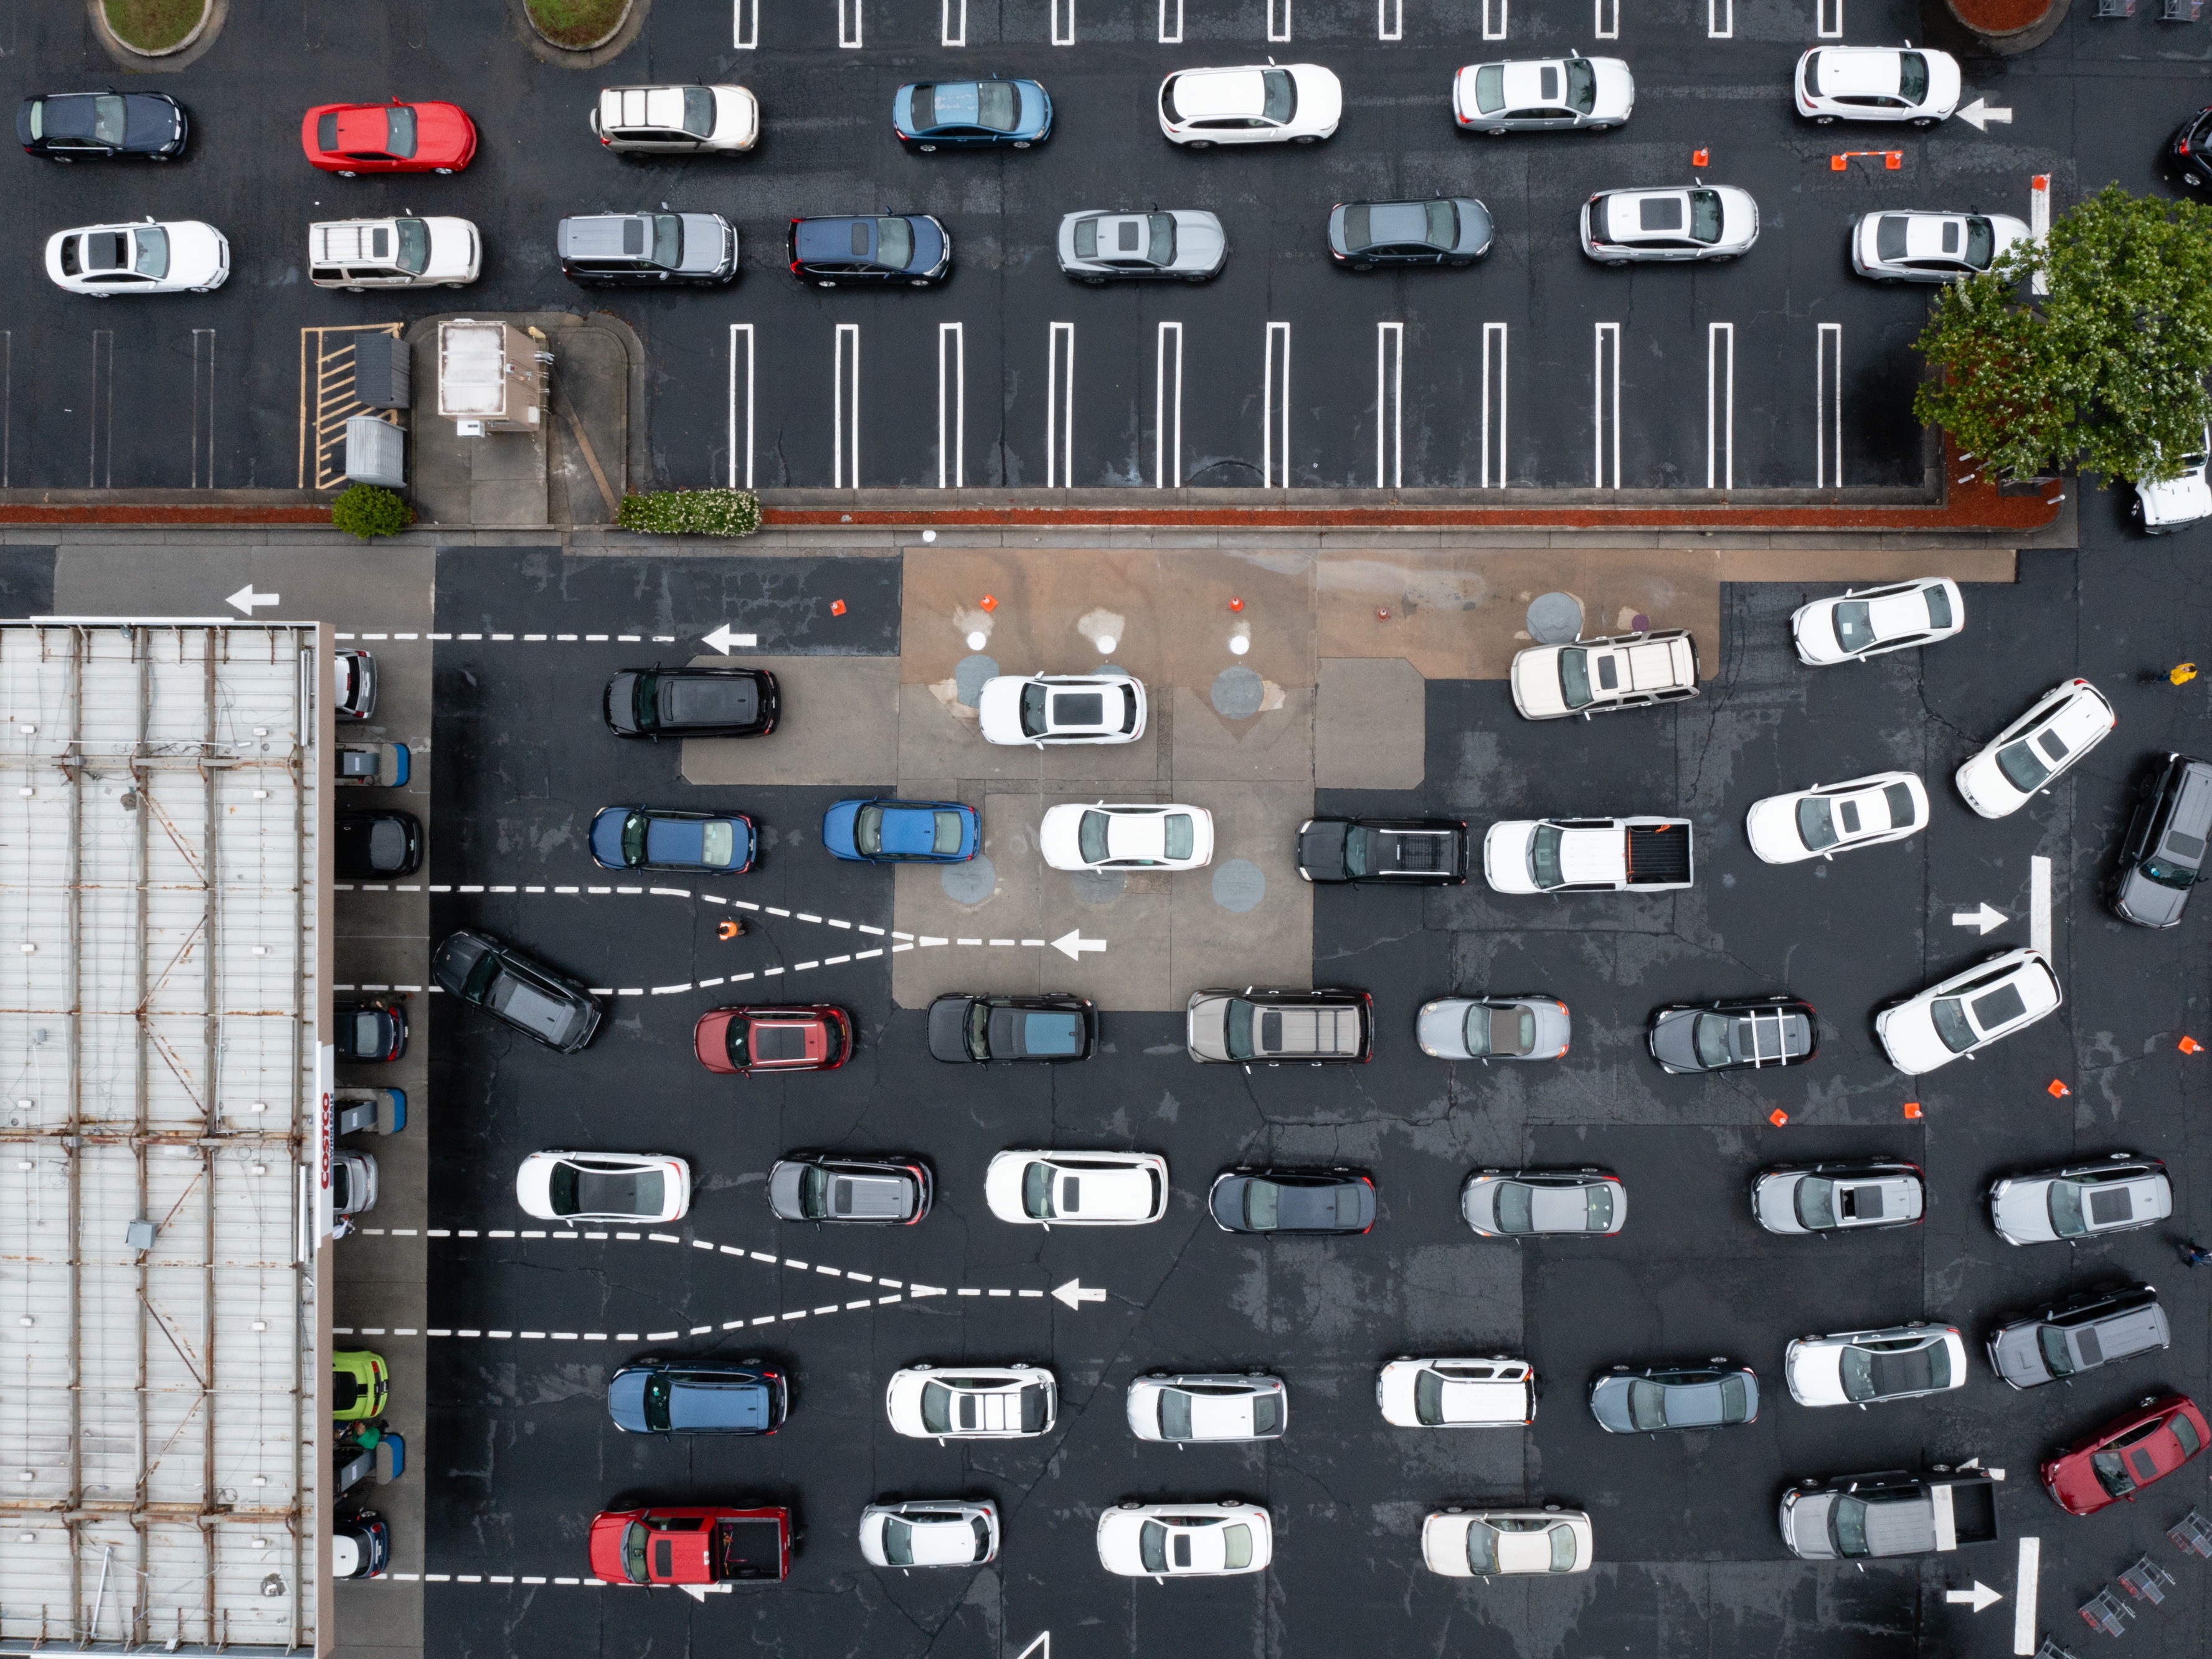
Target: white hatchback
<point x="1876" y="83"/>
<point x="1861" y="622"/>
<point x="1077" y="1189"/>
<point x="1061" y="708"/>
<point x="945" y="1532"/>
<point x="183" y="256"/>
<point x="1457" y="1393"/>
<point x="1709" y="222"/>
<point x="2021" y="762"/>
<point x="1831" y="818"/>
<point x="1544" y="95"/>
<point x="1864" y="1367"/>
<point x="1256" y="104"/>
<point x="620" y="1188"/>
<point x="1205" y="1409"/>
<point x="1505" y="1543"/>
<point x="1162" y="1541"/>
<point x="1995" y="997"/>
<point x="972" y="1402"/>
<point x="1133" y="835"/>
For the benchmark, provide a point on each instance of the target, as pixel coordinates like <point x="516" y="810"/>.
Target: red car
<point x="2147" y="1445"/>
<point x="690" y="1545"/>
<point x="394" y="138"/>
<point x="792" y="1037"/>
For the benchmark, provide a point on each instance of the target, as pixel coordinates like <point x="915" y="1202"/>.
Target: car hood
<point x="1943" y="80"/>
<point x="1770" y="827"/>
<point x="948" y="1029"/>
<point x="1320" y="97"/>
<point x="704" y="245"/>
<point x="149" y="123"/>
<point x="2016" y="1353"/>
<point x="1536" y="680"/>
<point x="1227" y="1201"/>
<point x="1505" y="856"/>
<point x="2022" y="1211"/>
<point x="1805" y="1526"/>
<point x="196" y="251"/>
<point x="626" y="1399"/>
<point x="1775" y="1199"/>
<point x="1816" y="1374"/>
<point x="1321" y="848"/>
<point x="1908" y="1035"/>
<point x="784" y="1181"/>
<point x="456" y="954"/>
<point x="533" y="1186"/>
<point x="838" y="828"/>
<point x="2177" y="500"/>
<point x="607" y="835"/>
<point x="2147" y="902"/>
<point x="621" y="702"/>
<point x="998" y="709"/>
<point x="1440" y="1029"/>
<point x="1200" y="242"/>
<point x="1206" y="1026"/>
<point x="1674" y="1039"/>
<point x="1002" y="1185"/>
<point x="736" y="115"/>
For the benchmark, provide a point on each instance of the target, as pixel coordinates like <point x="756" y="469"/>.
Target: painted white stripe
<point x="2023" y="1596"/>
<point x="2039" y="906"/>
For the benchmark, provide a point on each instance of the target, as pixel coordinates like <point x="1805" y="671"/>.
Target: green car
<point x="359" y="1381"/>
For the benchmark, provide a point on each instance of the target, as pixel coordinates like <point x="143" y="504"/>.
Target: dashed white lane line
<point x="525" y="639"/>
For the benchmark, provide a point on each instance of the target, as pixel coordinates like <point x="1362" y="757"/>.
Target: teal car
<point x="993" y="114"/>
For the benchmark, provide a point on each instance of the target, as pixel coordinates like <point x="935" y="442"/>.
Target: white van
<point x="1457" y="1393"/>
<point x="357" y="254"/>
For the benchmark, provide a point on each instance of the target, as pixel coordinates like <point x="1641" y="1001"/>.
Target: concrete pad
<point x="937" y="736"/>
<point x="839" y="726"/>
<point x="1868" y="564"/>
<point x="1276" y="745"/>
<point x="1370" y="724"/>
<point x="1269" y="944"/>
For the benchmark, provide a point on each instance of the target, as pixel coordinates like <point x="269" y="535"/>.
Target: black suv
<point x="2079" y="1334"/>
<point x="2163" y="856"/>
<point x="508" y="986"/>
<point x="692" y="703"/>
<point x="2189" y="151"/>
<point x="100" y="126"/>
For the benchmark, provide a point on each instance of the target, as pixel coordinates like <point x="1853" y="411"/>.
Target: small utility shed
<point x="164" y="978"/>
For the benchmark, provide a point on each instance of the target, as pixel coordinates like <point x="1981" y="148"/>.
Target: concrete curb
<point x="187" y="51"/>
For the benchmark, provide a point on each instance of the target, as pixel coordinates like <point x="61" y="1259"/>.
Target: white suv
<point x="355" y="254"/>
<point x="676" y="120"/>
<point x="2024" y="759"/>
<point x="1258" y="104"/>
<point x="1969" y="1011"/>
<point x="1876" y="83"/>
<point x="1457" y="1393"/>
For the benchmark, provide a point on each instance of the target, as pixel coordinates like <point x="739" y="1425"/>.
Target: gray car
<point x="1493" y="1028"/>
<point x="1712" y="222"/>
<point x="634" y="249"/>
<point x="1445" y="230"/>
<point x="1717" y="1394"/>
<point x="849" y="1191"/>
<point x="2114" y="1194"/>
<point x="2163" y="856"/>
<point x="1515" y="1203"/>
<point x="2098" y="1328"/>
<point x="1823" y="1198"/>
<point x="1100" y="246"/>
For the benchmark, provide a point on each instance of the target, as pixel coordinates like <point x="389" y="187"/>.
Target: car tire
<point x="822" y="284"/>
<point x="1600" y="126"/>
<point x="1198" y="279"/>
<point x="1198" y="144"/>
<point x="918" y="281"/>
<point x="1024" y="143"/>
<point x="1617" y="264"/>
<point x="354" y="287"/>
<point x="344" y="174"/>
<point x="1722" y="259"/>
<point x="1094" y="281"/>
<point x="62" y="161"/>
<point x="443" y="172"/>
<point x="927" y="150"/>
<point x="1304" y="138"/>
<point x="1128" y="1504"/>
<point x="1459" y="264"/>
<point x="457" y="285"/>
<point x="1923" y="122"/>
<point x="1362" y="264"/>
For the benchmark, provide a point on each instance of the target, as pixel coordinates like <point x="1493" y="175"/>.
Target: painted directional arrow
<point x="1075" y="1293"/>
<point x="1072" y="945"/>
<point x="1981" y="114"/>
<point x="699" y="1592"/>
<point x="1980" y="1597"/>
<point x="721" y="639"/>
<point x="246" y="598"/>
<point x="1981" y="919"/>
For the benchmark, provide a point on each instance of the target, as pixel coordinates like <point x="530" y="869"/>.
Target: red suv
<point x="788" y="1038"/>
<point x="2147" y="1445"/>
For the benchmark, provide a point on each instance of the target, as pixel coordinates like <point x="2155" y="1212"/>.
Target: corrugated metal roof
<point x="160" y="1443"/>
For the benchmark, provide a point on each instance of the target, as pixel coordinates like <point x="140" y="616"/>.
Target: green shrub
<point x="368" y="512"/>
<point x="691" y="512"/>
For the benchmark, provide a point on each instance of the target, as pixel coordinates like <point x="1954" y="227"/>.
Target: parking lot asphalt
<point x="1534" y="368"/>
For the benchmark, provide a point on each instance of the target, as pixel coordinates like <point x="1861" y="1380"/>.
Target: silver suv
<point x="2079" y="1334"/>
<point x="633" y="249"/>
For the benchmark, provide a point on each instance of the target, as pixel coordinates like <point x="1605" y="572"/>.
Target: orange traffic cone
<point x="2059" y="1091"/>
<point x="2189" y="1045"/>
<point x="1778" y="1117"/>
<point x="1912" y="1111"/>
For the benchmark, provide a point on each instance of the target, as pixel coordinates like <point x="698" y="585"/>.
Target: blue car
<point x="971" y="114"/>
<point x="902" y="831"/>
<point x="897" y="247"/>
<point x="697" y="1396"/>
<point x="654" y="838"/>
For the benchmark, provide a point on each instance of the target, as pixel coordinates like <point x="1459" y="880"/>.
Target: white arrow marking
<point x="246" y="598"/>
<point x="1039" y="1648"/>
<point x="1075" y="1293"/>
<point x="721" y="639"/>
<point x="1981" y="919"/>
<point x="1980" y="1597"/>
<point x="699" y="1592"/>
<point x="1980" y="115"/>
<point x="1072" y="945"/>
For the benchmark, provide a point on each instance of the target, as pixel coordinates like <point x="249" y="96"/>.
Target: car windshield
<point x="2110" y="1468"/>
<point x="898" y="1542"/>
<point x="1939" y="606"/>
<point x="1090" y="837"/>
<point x="1282" y="95"/>
<point x="1647" y="1404"/>
<point x="1544" y="856"/>
<point x="1816" y="823"/>
<point x="1981" y="243"/>
<point x="2169" y="875"/>
<point x="2185" y="1433"/>
<point x="632" y="838"/>
<point x="1152" y="1546"/>
<point x="813" y="1193"/>
<point x="698" y="111"/>
<point x="1162" y="251"/>
<point x="1175" y="1415"/>
<point x="1036" y="1192"/>
<point x="107" y="120"/>
<point x="1574" y="679"/>
<point x="894" y="243"/>
<point x="2057" y="1358"/>
<point x="998" y="106"/>
<point x="1443" y="224"/>
<point x="2064" y="1199"/>
<point x="1263" y="1203"/>
<point x="634" y="1538"/>
<point x="1033" y="712"/>
<point x="1355" y="851"/>
<point x="1950" y="1019"/>
<point x="1847" y="1526"/>
<point x="1855" y="624"/>
<point x="414" y="255"/>
<point x="936" y="1408"/>
<point x="656" y="1404"/>
<point x="1429" y="1398"/>
<point x="480" y="978"/>
<point x="667" y="240"/>
<point x="1856" y="1373"/>
<point x="1816" y="1203"/>
<point x="1712" y="1038"/>
<point x="868" y="831"/>
<point x="1582" y="86"/>
<point x="1912" y="76"/>
<point x="150" y="258"/>
<point x="2021" y="767"/>
<point x="1705" y="215"/>
<point x="1478" y="1030"/>
<point x="1515" y="1207"/>
<point x="645" y="703"/>
<point x="399" y="131"/>
<point x="1237" y="1029"/>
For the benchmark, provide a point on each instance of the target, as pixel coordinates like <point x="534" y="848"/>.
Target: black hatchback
<point x="1449" y="230"/>
<point x="2163" y="856"/>
<point x="1739" y="1034"/>
<point x="372" y="846"/>
<point x="549" y="1006"/>
<point x="1053" y="1030"/>
<point x="102" y="126"/>
<point x="692" y="703"/>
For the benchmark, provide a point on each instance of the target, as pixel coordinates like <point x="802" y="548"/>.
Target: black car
<point x="1053" y="1029"/>
<point x="691" y="702"/>
<point x="1338" y="1200"/>
<point x="1447" y="230"/>
<point x="1735" y="1034"/>
<point x="368" y="1030"/>
<point x="1394" y="852"/>
<point x="850" y="1191"/>
<point x="529" y="996"/>
<point x="908" y="248"/>
<point x="2079" y="1334"/>
<point x="2190" y="151"/>
<point x="2163" y="856"/>
<point x="360" y="1545"/>
<point x="371" y="846"/>
<point x="101" y="126"/>
<point x="698" y="1396"/>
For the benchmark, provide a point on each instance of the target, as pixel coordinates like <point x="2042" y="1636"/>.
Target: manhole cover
<point x="1238" y="885"/>
<point x="968" y="678"/>
<point x="1099" y="887"/>
<point x="1238" y="692"/>
<point x="1553" y="619"/>
<point x="970" y="883"/>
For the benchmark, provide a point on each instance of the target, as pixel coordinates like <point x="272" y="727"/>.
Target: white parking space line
<point x="1605" y="25"/>
<point x="1493" y="31"/>
<point x="1060" y="407"/>
<point x="203" y="408"/>
<point x="1720" y="20"/>
<point x="845" y="402"/>
<point x="1278" y="31"/>
<point x="2039" y="906"/>
<point x="1720" y="405"/>
<point x="1167" y="409"/>
<point x="1828" y="407"/>
<point x="1170" y="38"/>
<point x="953" y="16"/>
<point x="741" y="458"/>
<point x="1063" y="32"/>
<point x="1389" y="20"/>
<point x="2038" y="226"/>
<point x="745" y="24"/>
<point x="101" y="448"/>
<point x="1389" y="405"/>
<point x="952" y="404"/>
<point x="1605" y="406"/>
<point x="1276" y="397"/>
<point x="848" y="24"/>
<point x="1828" y="18"/>
<point x="2025" y="1581"/>
<point x="1495" y="338"/>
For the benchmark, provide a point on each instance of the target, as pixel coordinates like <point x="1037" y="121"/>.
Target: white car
<point x="2064" y="724"/>
<point x="1834" y="817"/>
<point x="1710" y="222"/>
<point x="1133" y="835"/>
<point x="1920" y="246"/>
<point x="1499" y="1543"/>
<point x="358" y="254"/>
<point x="625" y="1187"/>
<point x="1593" y="677"/>
<point x="2175" y="503"/>
<point x="972" y="1402"/>
<point x="930" y="1531"/>
<point x="1457" y="1393"/>
<point x="2114" y="1194"/>
<point x="1204" y="1409"/>
<point x="1543" y="94"/>
<point x="1865" y="622"/>
<point x="1061" y="708"/>
<point x="1864" y="1368"/>
<point x="1255" y="104"/>
<point x="1876" y="83"/>
<point x="1162" y="1541"/>
<point x="183" y="256"/>
<point x="676" y="120"/>
<point x="1969" y="1011"/>
<point x="1077" y="1189"/>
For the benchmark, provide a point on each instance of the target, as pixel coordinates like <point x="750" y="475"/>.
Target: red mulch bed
<point x="2000" y="16"/>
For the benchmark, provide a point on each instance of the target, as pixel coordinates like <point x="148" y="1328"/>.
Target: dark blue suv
<point x="897" y="247"/>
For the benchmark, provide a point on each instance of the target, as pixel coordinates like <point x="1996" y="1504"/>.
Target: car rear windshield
<point x="1267" y="1414"/>
<point x="1490" y="88"/>
<point x="894" y="243"/>
<point x="1574" y="679"/>
<point x="998" y="106"/>
<point x="1281" y="98"/>
<point x="1706" y="216"/>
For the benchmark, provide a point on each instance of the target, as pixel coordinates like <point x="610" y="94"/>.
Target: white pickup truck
<point x="1593" y="677"/>
<point x="1588" y="855"/>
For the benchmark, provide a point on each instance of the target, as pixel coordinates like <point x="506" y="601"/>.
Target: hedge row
<point x="691" y="512"/>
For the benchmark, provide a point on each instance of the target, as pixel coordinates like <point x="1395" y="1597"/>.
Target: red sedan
<point x="395" y="137"/>
<point x="668" y="1546"/>
<point x="792" y="1037"/>
<point x="2147" y="1445"/>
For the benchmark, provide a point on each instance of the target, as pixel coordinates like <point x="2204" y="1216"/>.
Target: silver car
<point x="1515" y="1203"/>
<point x="1543" y="94"/>
<point x="1493" y="1028"/>
<point x="1709" y="222"/>
<point x="1931" y="247"/>
<point x="1823" y="1198"/>
<point x="2115" y="1193"/>
<point x="1099" y="245"/>
<point x="1204" y="1408"/>
<point x="930" y="1531"/>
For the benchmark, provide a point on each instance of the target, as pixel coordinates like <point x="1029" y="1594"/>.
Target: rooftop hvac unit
<point x="491" y="373"/>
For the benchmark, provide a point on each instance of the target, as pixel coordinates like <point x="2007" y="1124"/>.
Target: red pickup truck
<point x="691" y="1549"/>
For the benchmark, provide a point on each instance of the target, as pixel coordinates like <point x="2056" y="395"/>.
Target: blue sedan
<point x="971" y="114"/>
<point x="902" y="831"/>
<point x="653" y="838"/>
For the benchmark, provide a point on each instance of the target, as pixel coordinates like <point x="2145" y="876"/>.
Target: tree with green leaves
<point x="2106" y="373"/>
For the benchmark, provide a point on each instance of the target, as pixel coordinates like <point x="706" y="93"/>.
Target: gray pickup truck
<point x="1857" y="1517"/>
